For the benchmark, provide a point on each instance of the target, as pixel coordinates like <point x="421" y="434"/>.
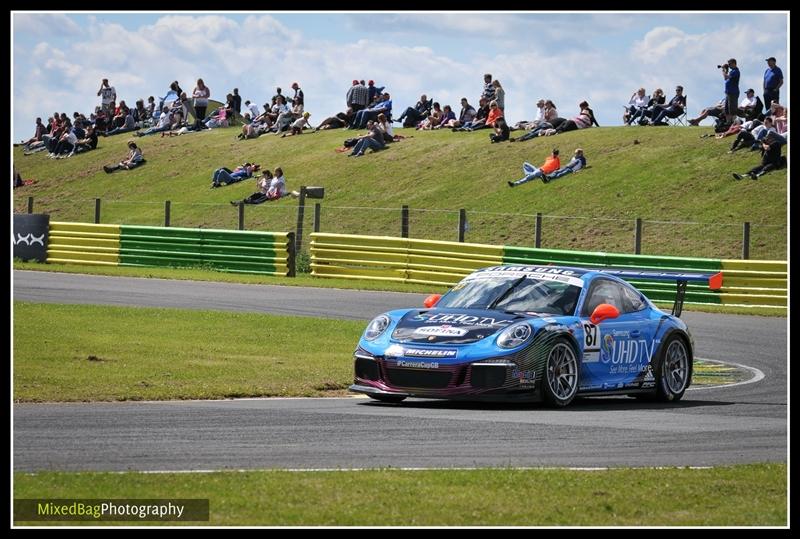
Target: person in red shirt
<point x="551" y="164"/>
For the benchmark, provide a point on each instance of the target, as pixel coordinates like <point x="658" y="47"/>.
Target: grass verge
<point x="744" y="495"/>
<point x="90" y="353"/>
<point x="191" y="274"/>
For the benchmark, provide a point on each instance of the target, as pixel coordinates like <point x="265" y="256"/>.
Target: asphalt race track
<point x="724" y="425"/>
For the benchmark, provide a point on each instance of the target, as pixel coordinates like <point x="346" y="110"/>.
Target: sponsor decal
<point x="28" y="239"/>
<point x="562" y="276"/>
<point x="396" y="350"/>
<point x="418" y="364"/>
<point x="441" y="331"/>
<point x="591" y="343"/>
<point x="418" y="352"/>
<point x="460" y="320"/>
<point x="524" y="376"/>
<point x="629" y="356"/>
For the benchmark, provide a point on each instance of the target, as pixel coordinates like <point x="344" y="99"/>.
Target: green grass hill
<point x="678" y="182"/>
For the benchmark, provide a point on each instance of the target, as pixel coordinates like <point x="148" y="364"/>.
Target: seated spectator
<point x="639" y="100"/>
<point x="583" y="120"/>
<point x="374" y="139"/>
<point x="285" y="119"/>
<point x="129" y="125"/>
<point x="551" y="164"/>
<point x="120" y="113"/>
<point x="480" y="116"/>
<point x="269" y="188"/>
<point x="717" y="111"/>
<point x="495" y="112"/>
<point x="751" y="107"/>
<point x="298" y="125"/>
<point x="673" y="109"/>
<point x="227" y="176"/>
<point x="770" y="159"/>
<point x="139" y="112"/>
<point x="252" y="108"/>
<point x="780" y="116"/>
<point x="218" y="119"/>
<point x="752" y="135"/>
<point x="133" y="160"/>
<point x="525" y="124"/>
<point x="89" y="142"/>
<point x="338" y="121"/>
<point x="37" y="135"/>
<point x="733" y="129"/>
<point x="551" y="120"/>
<point x="448" y="116"/>
<point x="384" y="105"/>
<point x="466" y="115"/>
<point x="433" y="118"/>
<point x="385" y="127"/>
<point x="501" y="130"/>
<point x="151" y="108"/>
<point x="412" y="116"/>
<point x="658" y="98"/>
<point x="575" y="164"/>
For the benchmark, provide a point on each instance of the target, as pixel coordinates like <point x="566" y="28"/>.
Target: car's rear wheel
<point x="674" y="370"/>
<point x="394" y="399"/>
<point x="560" y="383"/>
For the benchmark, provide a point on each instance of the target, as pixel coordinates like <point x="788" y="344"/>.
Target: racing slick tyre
<point x="394" y="399"/>
<point x="561" y="375"/>
<point x="673" y="370"/>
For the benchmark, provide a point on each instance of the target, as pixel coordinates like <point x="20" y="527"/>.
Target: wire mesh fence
<point x="657" y="237"/>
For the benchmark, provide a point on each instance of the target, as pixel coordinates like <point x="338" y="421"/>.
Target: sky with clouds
<point x="60" y="58"/>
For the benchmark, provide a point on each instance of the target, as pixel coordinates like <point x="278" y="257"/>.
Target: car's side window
<point x="634" y="299"/>
<point x="604" y="291"/>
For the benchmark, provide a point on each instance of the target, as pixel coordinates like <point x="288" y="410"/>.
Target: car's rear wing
<point x="714" y="281"/>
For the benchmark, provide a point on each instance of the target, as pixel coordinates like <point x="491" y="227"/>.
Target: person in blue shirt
<point x="363" y="116"/>
<point x="773" y="80"/>
<point x="731" y="75"/>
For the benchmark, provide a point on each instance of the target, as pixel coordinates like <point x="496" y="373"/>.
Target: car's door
<point x="615" y="350"/>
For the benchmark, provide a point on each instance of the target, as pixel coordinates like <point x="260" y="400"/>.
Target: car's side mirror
<point x="603" y="312"/>
<point x="432" y="300"/>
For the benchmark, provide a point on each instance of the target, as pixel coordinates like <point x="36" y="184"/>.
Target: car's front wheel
<point x="673" y="371"/>
<point x="560" y="383"/>
<point x="394" y="399"/>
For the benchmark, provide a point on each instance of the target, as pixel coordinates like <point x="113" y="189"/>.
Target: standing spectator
<point x="731" y="75"/>
<point x="108" y="95"/>
<point x="134" y="159"/>
<point x="201" y="93"/>
<point x="499" y="95"/>
<point x="298" y="94"/>
<point x="373" y="92"/>
<point x="357" y="96"/>
<point x="237" y="103"/>
<point x="551" y="164"/>
<point x="575" y="164"/>
<point x="279" y="94"/>
<point x="773" y="80"/>
<point x="488" y="88"/>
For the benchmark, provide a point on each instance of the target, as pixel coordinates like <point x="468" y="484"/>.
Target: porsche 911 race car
<point x="532" y="333"/>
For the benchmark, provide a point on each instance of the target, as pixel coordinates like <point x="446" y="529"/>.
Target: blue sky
<point x="60" y="58"/>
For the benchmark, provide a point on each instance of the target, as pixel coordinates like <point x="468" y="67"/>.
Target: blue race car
<point x="531" y="333"/>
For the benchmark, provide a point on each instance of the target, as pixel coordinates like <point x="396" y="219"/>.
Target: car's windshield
<point x="519" y="295"/>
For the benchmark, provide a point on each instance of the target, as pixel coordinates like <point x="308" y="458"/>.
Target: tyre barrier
<point x="751" y="283"/>
<point x="238" y="251"/>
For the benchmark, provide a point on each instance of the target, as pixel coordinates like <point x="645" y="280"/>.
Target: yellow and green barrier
<point x="745" y="282"/>
<point x="268" y="253"/>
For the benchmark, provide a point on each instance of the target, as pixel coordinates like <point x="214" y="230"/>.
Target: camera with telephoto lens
<point x="723" y="66"/>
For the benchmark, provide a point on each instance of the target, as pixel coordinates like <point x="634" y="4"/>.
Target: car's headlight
<point x="376" y="327"/>
<point x="514" y="335"/>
